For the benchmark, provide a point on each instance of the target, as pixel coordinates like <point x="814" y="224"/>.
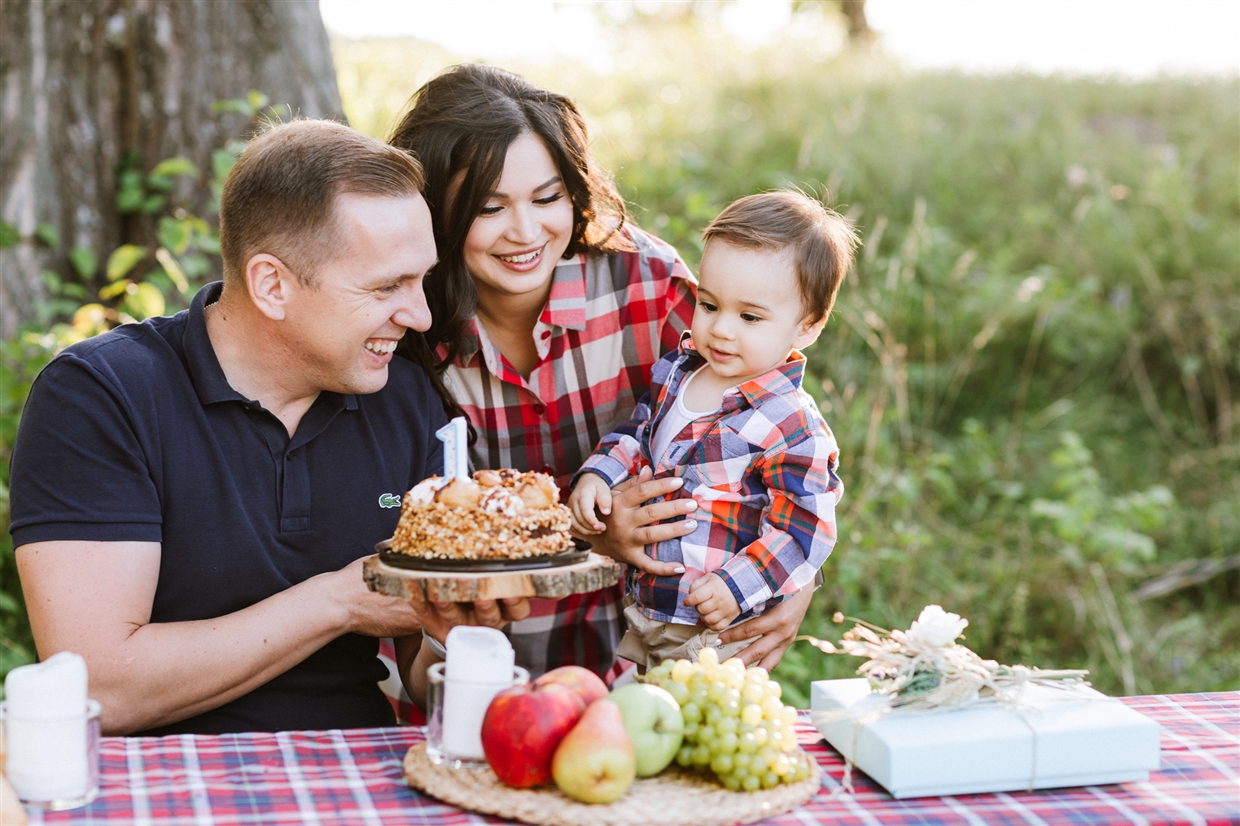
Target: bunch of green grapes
<point x="735" y="723"/>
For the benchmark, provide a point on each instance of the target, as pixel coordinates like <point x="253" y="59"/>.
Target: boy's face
<point x="749" y="315"/>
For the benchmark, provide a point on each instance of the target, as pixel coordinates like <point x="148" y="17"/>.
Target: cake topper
<point x="454" y="437"/>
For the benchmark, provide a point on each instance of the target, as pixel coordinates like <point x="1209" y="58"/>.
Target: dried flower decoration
<point x="924" y="667"/>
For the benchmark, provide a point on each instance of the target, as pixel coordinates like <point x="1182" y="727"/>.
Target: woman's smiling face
<point x="523" y="228"/>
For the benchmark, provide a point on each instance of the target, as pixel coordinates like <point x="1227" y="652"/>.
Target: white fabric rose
<point x="937" y="627"/>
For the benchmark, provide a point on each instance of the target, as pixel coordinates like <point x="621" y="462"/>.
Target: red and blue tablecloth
<point x="354" y="777"/>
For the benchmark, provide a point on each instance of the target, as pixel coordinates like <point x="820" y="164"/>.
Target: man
<point x="192" y="496"/>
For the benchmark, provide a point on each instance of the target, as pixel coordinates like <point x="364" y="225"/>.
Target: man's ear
<point x="269" y="284"/>
<point x="808" y="331"/>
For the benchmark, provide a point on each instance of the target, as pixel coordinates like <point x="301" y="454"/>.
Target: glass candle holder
<point x="53" y="763"/>
<point x="454" y="712"/>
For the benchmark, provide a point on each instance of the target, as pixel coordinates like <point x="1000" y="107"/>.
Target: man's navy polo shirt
<point x="135" y="435"/>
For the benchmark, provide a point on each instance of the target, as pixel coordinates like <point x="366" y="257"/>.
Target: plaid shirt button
<point x="539" y="409"/>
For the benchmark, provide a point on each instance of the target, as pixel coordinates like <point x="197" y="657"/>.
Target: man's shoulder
<point x="143" y="351"/>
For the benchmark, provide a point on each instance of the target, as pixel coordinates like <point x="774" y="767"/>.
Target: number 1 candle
<point x="455" y="443"/>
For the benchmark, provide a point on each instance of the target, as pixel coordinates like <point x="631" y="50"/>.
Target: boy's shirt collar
<point x="779" y="381"/>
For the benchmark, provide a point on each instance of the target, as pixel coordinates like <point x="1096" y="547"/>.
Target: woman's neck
<point x="509" y="322"/>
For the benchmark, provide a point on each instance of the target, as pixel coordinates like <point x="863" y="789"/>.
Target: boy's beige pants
<point x="649" y="642"/>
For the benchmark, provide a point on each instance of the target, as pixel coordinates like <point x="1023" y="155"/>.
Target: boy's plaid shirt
<point x="764" y="474"/>
<point x="608" y="320"/>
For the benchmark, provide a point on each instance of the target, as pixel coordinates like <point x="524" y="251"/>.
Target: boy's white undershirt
<point x="676" y="419"/>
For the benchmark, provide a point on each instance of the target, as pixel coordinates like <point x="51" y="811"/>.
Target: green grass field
<point x="1030" y="371"/>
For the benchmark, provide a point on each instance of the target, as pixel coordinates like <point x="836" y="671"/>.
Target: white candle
<point x="478" y="666"/>
<point x="45" y="722"/>
<point x="455" y="440"/>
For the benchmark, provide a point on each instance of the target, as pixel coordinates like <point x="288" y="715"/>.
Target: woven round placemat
<point x="673" y="798"/>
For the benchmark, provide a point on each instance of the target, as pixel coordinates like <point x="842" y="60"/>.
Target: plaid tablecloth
<point x="354" y="777"/>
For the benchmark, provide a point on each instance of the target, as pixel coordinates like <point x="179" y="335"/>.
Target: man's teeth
<point x="520" y="259"/>
<point x="381" y="347"/>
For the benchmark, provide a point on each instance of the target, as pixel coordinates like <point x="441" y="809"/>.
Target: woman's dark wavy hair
<point x="460" y="125"/>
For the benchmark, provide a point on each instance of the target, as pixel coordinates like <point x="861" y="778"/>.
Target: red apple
<point x="522" y="728"/>
<point x="588" y="685"/>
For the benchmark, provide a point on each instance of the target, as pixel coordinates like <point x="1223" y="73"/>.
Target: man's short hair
<point x="820" y="241"/>
<point x="280" y="197"/>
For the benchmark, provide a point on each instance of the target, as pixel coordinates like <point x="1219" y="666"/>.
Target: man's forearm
<point x="95" y="599"/>
<point x="165" y="672"/>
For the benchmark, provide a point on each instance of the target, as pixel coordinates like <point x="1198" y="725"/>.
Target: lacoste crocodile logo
<point x="389" y="500"/>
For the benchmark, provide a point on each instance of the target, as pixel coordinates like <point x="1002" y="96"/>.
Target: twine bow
<point x="924" y="668"/>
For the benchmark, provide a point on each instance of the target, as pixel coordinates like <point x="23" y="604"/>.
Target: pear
<point x="595" y="762"/>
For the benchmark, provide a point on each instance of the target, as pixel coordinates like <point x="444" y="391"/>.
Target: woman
<point x="548" y="312"/>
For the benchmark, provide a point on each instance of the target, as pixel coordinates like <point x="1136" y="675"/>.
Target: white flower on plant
<point x="937" y="627"/>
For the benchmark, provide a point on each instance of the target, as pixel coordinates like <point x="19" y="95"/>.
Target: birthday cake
<point x="496" y="514"/>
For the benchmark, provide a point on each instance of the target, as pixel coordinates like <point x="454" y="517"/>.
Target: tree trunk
<point x="859" y="31"/>
<point x="87" y="84"/>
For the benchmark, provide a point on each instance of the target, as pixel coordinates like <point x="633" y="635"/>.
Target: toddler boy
<point x="726" y="413"/>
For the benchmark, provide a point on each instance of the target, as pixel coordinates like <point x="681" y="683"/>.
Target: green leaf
<point x="208" y="243"/>
<point x="172" y="167"/>
<point x="130" y="193"/>
<point x="123" y="259"/>
<point x="48" y="234"/>
<point x="195" y="266"/>
<point x="113" y="290"/>
<point x="154" y="204"/>
<point x="84" y="261"/>
<point x="9" y="235"/>
<point x="159" y="183"/>
<point x="51" y="279"/>
<point x="144" y="301"/>
<point x="237" y="105"/>
<point x="256" y="100"/>
<point x="173" y="234"/>
<point x="170" y="265"/>
<point x="222" y="162"/>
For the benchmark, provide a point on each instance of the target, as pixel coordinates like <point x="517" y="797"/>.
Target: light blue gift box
<point x="1049" y="737"/>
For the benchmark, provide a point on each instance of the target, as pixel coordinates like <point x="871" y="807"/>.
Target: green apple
<point x="655" y="725"/>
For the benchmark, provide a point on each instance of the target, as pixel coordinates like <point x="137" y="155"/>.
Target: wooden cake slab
<point x="594" y="574"/>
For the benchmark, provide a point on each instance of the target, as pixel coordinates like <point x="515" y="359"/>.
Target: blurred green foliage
<point x="1029" y="371"/>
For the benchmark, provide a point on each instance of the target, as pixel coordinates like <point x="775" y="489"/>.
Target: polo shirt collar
<point x="566" y="307"/>
<point x="784" y="379"/>
<point x="204" y="366"/>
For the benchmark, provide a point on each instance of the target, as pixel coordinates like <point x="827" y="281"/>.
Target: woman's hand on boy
<point x="632" y="525"/>
<point x="776" y="629"/>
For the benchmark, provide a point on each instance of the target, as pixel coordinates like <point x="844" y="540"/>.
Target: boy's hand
<point x="591" y="491"/>
<point x="714" y="601"/>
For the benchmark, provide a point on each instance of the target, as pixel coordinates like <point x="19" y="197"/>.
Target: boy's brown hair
<point x="819" y="239"/>
<point x="280" y="197"/>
